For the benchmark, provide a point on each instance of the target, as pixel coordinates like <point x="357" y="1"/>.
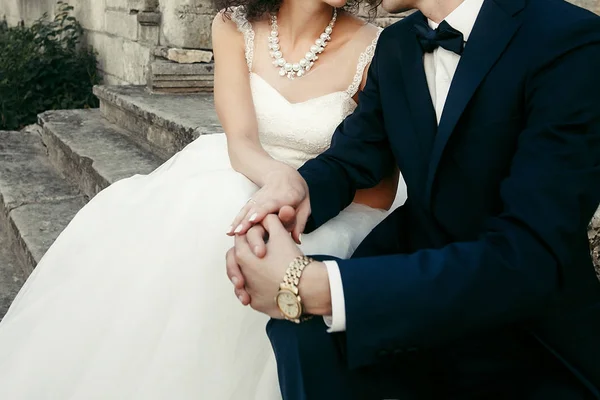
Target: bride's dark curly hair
<point x="257" y="8"/>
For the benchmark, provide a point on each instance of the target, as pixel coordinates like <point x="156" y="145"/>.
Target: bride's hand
<point x="284" y="193"/>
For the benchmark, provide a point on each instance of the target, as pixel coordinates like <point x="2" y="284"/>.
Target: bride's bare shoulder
<point x="230" y="24"/>
<point x="225" y="27"/>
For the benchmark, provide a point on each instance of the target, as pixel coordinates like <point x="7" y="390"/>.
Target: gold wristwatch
<point x="288" y="298"/>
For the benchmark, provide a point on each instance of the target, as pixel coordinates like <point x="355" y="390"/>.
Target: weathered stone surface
<point x="165" y="123"/>
<point x="163" y="67"/>
<point x="122" y="24"/>
<point x="149" y="35"/>
<point x="122" y="60"/>
<point x="188" y="56"/>
<point x="11" y="273"/>
<point x="131" y="4"/>
<point x="187" y="23"/>
<point x="189" y="84"/>
<point x="594" y="237"/>
<point x="35" y="202"/>
<point x="89" y="13"/>
<point x="169" y="77"/>
<point x="39" y="224"/>
<point x="150" y="18"/>
<point x="90" y="151"/>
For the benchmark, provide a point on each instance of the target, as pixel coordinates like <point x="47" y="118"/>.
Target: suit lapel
<point x="493" y="30"/>
<point x="417" y="92"/>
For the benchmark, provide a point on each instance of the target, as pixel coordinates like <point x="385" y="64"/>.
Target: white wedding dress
<point x="132" y="301"/>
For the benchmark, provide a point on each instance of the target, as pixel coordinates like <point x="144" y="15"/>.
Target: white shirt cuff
<point x="337" y="321"/>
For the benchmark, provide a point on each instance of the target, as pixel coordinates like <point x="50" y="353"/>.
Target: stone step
<point x="162" y="123"/>
<point x="11" y="272"/>
<point x="36" y="202"/>
<point x="166" y="76"/>
<point x="91" y="152"/>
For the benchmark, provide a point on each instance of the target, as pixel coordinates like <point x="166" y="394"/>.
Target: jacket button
<point x="398" y="352"/>
<point x="412" y="350"/>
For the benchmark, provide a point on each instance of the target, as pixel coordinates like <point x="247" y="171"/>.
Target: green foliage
<point x="44" y="67"/>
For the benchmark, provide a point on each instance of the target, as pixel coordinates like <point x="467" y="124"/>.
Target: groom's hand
<point x="284" y="193"/>
<point x="262" y="276"/>
<point x="257" y="240"/>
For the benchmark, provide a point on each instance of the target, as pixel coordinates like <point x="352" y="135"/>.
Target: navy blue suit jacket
<point x="499" y="194"/>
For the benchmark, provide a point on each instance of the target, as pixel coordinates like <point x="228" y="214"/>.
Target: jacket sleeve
<point x="359" y="156"/>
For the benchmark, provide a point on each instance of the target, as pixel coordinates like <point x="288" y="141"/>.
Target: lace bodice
<point x="295" y="132"/>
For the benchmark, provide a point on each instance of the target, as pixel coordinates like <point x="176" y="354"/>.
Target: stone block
<point x="149" y="18"/>
<point x="11" y="10"/>
<point x="109" y="79"/>
<point x="121" y="58"/>
<point x="169" y="77"/>
<point x="166" y="123"/>
<point x="161" y="51"/>
<point x="187" y="23"/>
<point x="36" y="204"/>
<point x="164" y="67"/>
<point x="90" y="14"/>
<point x="122" y="24"/>
<point x="39" y="224"/>
<point x="90" y="151"/>
<point x="149" y="35"/>
<point x="187" y="56"/>
<point x="139" y="5"/>
<point x="136" y="62"/>
<point x="11" y="272"/>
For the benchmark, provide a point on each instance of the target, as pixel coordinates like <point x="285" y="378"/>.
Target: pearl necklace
<point x="305" y="64"/>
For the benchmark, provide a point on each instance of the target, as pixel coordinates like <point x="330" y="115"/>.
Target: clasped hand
<point x="257" y="264"/>
<point x="284" y="193"/>
<point x="263" y="247"/>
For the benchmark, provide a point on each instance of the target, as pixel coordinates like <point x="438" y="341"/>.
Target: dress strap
<point x="363" y="60"/>
<point x="238" y="16"/>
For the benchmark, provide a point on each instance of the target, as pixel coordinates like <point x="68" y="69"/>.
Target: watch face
<point x="288" y="304"/>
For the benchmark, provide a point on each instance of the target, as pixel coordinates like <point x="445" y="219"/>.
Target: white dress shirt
<point x="440" y="67"/>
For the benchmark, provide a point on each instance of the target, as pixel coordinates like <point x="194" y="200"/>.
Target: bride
<point x="132" y="301"/>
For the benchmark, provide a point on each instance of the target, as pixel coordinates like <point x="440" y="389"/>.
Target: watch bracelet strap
<point x="294" y="271"/>
<point x="293" y="274"/>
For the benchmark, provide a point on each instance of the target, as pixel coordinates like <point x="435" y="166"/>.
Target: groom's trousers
<point x="506" y="364"/>
<point x="503" y="364"/>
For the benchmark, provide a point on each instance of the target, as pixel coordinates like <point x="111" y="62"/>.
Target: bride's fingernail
<point x="300" y="238"/>
<point x="253" y="217"/>
<point x="238" y="229"/>
<point x="235" y="281"/>
<point x="241" y="299"/>
<point x="230" y="229"/>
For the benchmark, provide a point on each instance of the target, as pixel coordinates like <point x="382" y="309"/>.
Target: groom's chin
<point x="396" y="6"/>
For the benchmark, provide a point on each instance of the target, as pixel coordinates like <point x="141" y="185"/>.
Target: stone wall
<point x="124" y="46"/>
<point x="125" y="33"/>
<point x="187" y="23"/>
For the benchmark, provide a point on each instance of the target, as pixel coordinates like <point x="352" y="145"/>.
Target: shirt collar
<point x="463" y="17"/>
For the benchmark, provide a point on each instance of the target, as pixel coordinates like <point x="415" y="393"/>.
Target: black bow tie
<point x="444" y="36"/>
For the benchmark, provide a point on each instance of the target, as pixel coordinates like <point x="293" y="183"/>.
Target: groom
<point x="481" y="286"/>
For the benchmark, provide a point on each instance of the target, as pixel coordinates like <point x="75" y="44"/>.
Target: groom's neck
<point x="437" y="10"/>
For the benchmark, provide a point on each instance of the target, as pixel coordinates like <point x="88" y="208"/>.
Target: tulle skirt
<point x="132" y="301"/>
